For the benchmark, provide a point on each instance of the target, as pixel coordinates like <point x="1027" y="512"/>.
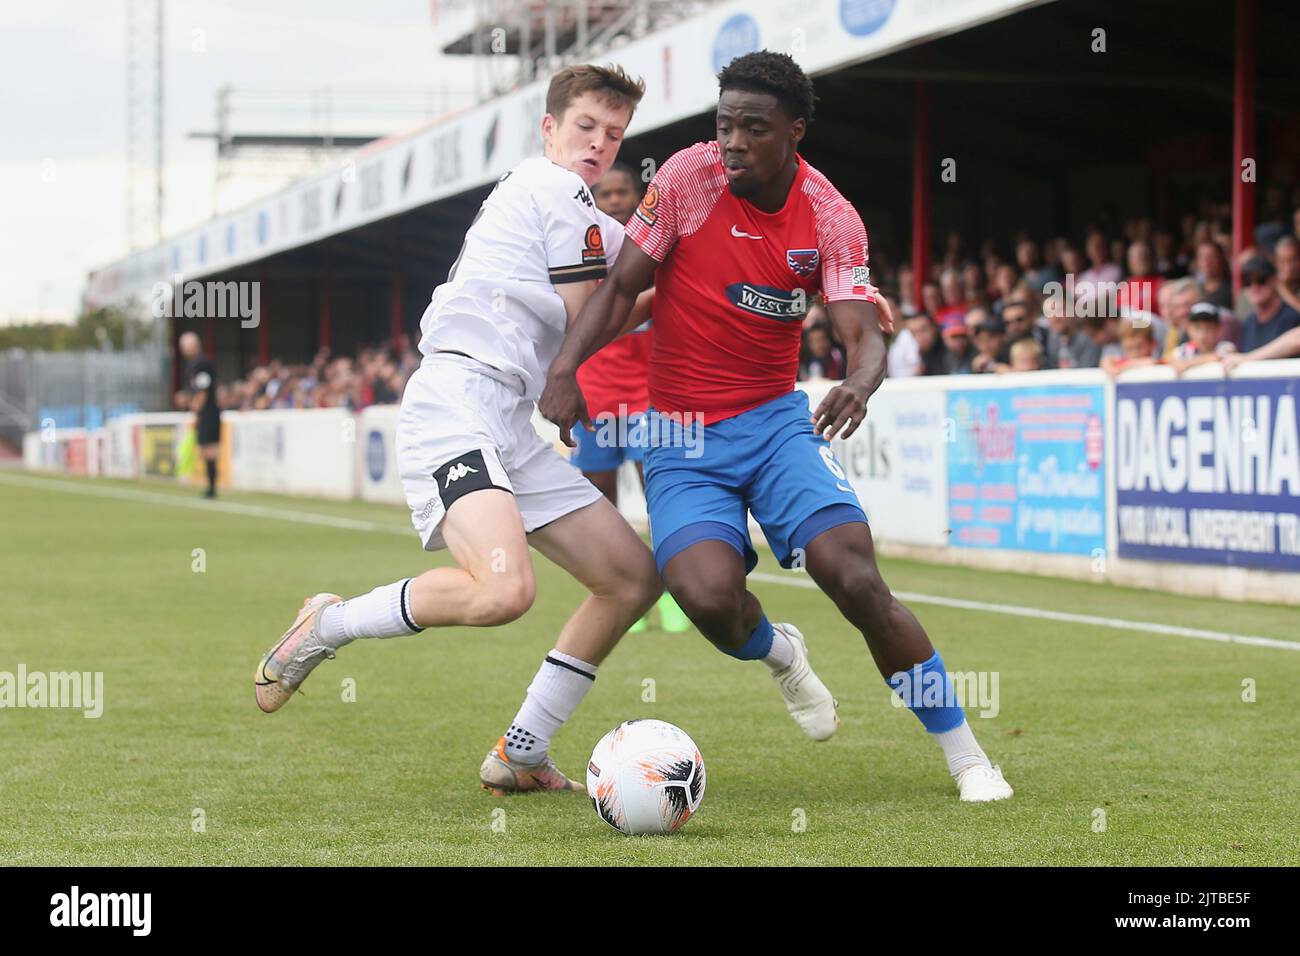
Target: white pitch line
<point x="792" y="579"/>
<point x="1115" y="623"/>
<point x="201" y="504"/>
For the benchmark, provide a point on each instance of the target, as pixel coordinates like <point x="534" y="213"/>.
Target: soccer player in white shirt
<point x="478" y="478"/>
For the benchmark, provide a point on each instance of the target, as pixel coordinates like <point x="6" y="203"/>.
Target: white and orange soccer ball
<point x="646" y="776"/>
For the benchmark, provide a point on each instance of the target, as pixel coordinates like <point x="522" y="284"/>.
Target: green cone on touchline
<point x="639" y="626"/>
<point x="671" y="617"/>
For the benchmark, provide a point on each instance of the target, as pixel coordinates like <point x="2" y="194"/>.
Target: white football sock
<point x="384" y="612"/>
<point x="961" y="749"/>
<point x="555" y="693"/>
<point x="782" y="653"/>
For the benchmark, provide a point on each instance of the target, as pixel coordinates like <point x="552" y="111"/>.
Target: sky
<point x="63" y="82"/>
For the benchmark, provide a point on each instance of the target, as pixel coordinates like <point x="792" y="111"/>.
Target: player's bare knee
<point x="644" y="591"/>
<point x="854" y="581"/>
<point x="506" y="598"/>
<point x="714" y="610"/>
<point x="648" y="584"/>
<point x="633" y="583"/>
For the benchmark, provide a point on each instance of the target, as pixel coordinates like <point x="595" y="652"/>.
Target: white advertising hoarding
<point x="377" y="456"/>
<point x="293" y="452"/>
<point x="897" y="461"/>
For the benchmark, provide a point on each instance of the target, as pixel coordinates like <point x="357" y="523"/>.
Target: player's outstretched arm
<point x="857" y="324"/>
<point x="605" y="314"/>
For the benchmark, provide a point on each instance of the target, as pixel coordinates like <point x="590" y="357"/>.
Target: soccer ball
<point x="646" y="776"/>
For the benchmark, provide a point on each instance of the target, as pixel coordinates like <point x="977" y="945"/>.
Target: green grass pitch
<point x="1149" y="729"/>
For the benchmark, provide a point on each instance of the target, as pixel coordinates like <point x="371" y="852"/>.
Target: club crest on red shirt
<point x="803" y="262"/>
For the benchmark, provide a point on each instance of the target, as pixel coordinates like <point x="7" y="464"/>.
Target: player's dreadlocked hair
<point x="774" y="73"/>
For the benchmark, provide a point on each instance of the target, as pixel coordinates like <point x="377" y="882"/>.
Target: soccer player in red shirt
<point x="737" y="235"/>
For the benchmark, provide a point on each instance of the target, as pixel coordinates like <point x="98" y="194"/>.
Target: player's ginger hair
<point x="610" y="83"/>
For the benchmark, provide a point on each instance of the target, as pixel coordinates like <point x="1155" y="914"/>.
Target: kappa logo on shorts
<point x="458" y="471"/>
<point x="461" y="475"/>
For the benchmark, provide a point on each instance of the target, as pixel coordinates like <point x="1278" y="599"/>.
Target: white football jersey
<point x="539" y="228"/>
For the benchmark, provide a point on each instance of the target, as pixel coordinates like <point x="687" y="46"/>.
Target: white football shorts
<point x="460" y="430"/>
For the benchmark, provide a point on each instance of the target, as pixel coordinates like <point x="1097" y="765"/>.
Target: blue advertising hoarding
<point x="1208" y="472"/>
<point x="1026" y="469"/>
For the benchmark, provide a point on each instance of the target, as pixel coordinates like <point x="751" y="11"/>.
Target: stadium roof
<point x="471" y="149"/>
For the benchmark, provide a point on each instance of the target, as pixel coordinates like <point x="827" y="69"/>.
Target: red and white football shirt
<point x="734" y="283"/>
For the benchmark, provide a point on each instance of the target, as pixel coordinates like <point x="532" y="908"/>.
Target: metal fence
<point x="79" y="389"/>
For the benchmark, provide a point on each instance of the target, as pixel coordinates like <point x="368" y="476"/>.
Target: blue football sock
<point x="759" y="644"/>
<point x="927" y="691"/>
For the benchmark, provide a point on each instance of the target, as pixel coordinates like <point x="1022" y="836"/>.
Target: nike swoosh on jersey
<point x="742" y="235"/>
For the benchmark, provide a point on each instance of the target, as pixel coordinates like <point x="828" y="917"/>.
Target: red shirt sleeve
<point x="653" y="226"/>
<point x="678" y="200"/>
<point x="843" y="242"/>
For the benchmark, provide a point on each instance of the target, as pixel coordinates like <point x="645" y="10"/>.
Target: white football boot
<point x="288" y="663"/>
<point x="806" y="697"/>
<point x="982" y="784"/>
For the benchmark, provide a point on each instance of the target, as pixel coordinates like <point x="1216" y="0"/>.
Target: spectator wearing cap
<point x="956" y="339"/>
<point x="1286" y="259"/>
<point x="1203" y="344"/>
<point x="1270" y="316"/>
<point x="1139" y="348"/>
<point x="990" y="345"/>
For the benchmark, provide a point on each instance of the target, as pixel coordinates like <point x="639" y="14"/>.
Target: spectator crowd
<point x="1148" y="297"/>
<point x="376" y="376"/>
<point x="1143" y="296"/>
